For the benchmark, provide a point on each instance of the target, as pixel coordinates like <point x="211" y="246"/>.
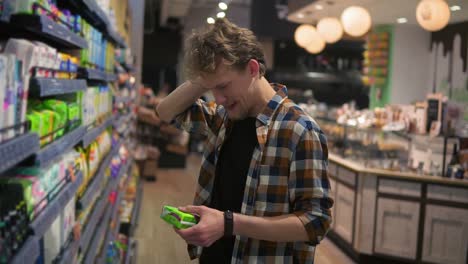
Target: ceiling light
<point x="433" y="15"/>
<point x="222" y="6"/>
<point x="330" y="28"/>
<point x="210" y="20"/>
<point x="455" y="8"/>
<point x="221" y="15"/>
<point x="300" y="15"/>
<point x="303" y="35"/>
<point x="319" y="7"/>
<point x="402" y="20"/>
<point x="356" y="21"/>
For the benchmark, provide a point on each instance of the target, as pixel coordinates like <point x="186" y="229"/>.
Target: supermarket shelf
<point x="49" y="86"/>
<point x="89" y="10"/>
<point x="93" y="74"/>
<point x="90" y="228"/>
<point x="94" y="186"/>
<point x="122" y="99"/>
<point x="92" y="134"/>
<point x="69" y="253"/>
<point x="17" y="149"/>
<point x="28" y="253"/>
<point x="98" y="234"/>
<point x="136" y="209"/>
<point x="43" y="222"/>
<point x="111" y="77"/>
<point x="110" y="233"/>
<point x="57" y="148"/>
<point x="131" y="252"/>
<point x="49" y="29"/>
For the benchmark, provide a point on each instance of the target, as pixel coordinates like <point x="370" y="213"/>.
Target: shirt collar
<point x="268" y="112"/>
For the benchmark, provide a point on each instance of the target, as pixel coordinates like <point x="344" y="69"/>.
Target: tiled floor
<point x="157" y="242"/>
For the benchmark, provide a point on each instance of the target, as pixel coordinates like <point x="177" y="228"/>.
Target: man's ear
<point x="253" y="67"/>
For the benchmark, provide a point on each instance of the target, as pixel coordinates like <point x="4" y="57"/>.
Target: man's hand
<point x="209" y="229"/>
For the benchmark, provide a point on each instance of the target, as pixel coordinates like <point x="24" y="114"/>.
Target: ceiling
<point x="180" y="8"/>
<point x="382" y="11"/>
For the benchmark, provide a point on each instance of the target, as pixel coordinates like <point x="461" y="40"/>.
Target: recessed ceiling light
<point x="319" y="7"/>
<point x="222" y="6"/>
<point x="221" y="15"/>
<point x="210" y="20"/>
<point x="402" y="20"/>
<point x="300" y="15"/>
<point x="455" y="8"/>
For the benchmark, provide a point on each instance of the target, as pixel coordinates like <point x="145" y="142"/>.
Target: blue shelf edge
<point x="69" y="253"/>
<point x="50" y="86"/>
<point x="43" y="222"/>
<point x="96" y="75"/>
<point x="29" y="252"/>
<point x="136" y="209"/>
<point x="87" y="198"/>
<point x="115" y="208"/>
<point x="45" y="26"/>
<point x="91" y="254"/>
<point x="92" y="134"/>
<point x="90" y="227"/>
<point x="18" y="149"/>
<point x="59" y="146"/>
<point x="132" y="248"/>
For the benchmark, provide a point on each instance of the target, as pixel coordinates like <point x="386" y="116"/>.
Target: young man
<point x="263" y="193"/>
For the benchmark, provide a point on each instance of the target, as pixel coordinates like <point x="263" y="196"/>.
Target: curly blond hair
<point x="222" y="40"/>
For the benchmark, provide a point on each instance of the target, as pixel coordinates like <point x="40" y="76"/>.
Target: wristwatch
<point x="228" y="223"/>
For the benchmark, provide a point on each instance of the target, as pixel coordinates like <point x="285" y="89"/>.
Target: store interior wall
<point x="449" y="62"/>
<point x="409" y="64"/>
<point x="137" y="8"/>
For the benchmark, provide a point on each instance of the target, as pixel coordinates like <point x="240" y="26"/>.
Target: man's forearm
<point x="285" y="228"/>
<point x="179" y="100"/>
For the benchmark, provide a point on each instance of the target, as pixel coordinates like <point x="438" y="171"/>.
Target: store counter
<point x="382" y="216"/>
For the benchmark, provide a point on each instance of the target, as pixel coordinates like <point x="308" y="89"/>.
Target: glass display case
<point x="389" y="150"/>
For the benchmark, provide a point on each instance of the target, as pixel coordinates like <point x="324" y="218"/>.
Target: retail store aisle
<point x="157" y="242"/>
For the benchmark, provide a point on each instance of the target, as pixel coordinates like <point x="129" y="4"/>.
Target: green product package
<point x="61" y="117"/>
<point x="177" y="218"/>
<point x="35" y="120"/>
<point x="74" y="114"/>
<point x="47" y="125"/>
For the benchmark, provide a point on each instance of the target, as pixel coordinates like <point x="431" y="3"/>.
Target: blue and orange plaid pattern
<point x="287" y="175"/>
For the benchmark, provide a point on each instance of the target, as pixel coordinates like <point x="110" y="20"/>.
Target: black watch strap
<point x="228" y="223"/>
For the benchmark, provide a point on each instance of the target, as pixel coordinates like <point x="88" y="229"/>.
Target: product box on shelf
<point x="52" y="241"/>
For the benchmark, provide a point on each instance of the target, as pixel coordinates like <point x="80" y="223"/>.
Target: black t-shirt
<point x="228" y="190"/>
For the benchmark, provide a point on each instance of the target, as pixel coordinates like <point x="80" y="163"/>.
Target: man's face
<point x="233" y="89"/>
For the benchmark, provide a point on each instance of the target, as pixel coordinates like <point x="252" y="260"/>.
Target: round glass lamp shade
<point x="317" y="44"/>
<point x="356" y="21"/>
<point x="433" y="15"/>
<point x="330" y="29"/>
<point x="303" y="35"/>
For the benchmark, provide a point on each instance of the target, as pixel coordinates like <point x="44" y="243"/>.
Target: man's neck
<point x="263" y="96"/>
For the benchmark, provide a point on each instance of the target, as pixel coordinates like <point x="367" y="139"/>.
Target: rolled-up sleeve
<point x="200" y="118"/>
<point x="309" y="186"/>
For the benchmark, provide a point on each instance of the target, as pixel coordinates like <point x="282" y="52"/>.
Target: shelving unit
<point x="87" y="198"/>
<point x="25" y="149"/>
<point x="55" y="149"/>
<point x="93" y="133"/>
<point x="40" y="225"/>
<point x="131" y="253"/>
<point x="95" y="75"/>
<point x="16" y="150"/>
<point x="44" y="27"/>
<point x="42" y="87"/>
<point x="30" y="250"/>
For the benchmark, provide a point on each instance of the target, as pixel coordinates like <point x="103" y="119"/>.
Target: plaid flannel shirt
<point x="287" y="175"/>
